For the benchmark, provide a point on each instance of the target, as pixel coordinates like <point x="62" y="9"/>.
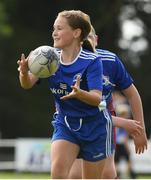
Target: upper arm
<point x="130" y="92"/>
<point x="122" y="77"/>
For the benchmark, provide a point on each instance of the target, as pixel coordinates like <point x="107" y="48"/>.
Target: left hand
<point x="140" y="143"/>
<point x="23" y="65"/>
<point x="75" y="90"/>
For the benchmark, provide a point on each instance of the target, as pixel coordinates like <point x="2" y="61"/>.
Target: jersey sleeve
<point x="123" y="78"/>
<point x="94" y="74"/>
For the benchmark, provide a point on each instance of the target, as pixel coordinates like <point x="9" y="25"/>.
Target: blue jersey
<point x="114" y="74"/>
<point x="89" y="67"/>
<point x="76" y="121"/>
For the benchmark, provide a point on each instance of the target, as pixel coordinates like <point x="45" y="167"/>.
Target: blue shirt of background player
<point x="89" y="67"/>
<point x="114" y="74"/>
<point x="121" y="134"/>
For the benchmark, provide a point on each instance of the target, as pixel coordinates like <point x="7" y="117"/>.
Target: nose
<point x="54" y="33"/>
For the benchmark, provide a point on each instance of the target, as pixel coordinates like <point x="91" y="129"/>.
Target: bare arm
<point x="92" y="97"/>
<point x="27" y="80"/>
<point x="133" y="127"/>
<point x="137" y="111"/>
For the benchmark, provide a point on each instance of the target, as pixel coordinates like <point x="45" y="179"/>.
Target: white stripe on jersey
<point x="88" y="55"/>
<point x="84" y="54"/>
<point x="106" y="55"/>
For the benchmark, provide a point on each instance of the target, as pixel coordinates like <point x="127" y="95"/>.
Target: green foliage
<point x="5" y="29"/>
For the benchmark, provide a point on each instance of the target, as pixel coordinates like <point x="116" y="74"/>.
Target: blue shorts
<point x="93" y="135"/>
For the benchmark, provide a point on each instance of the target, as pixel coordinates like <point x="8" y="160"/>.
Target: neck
<point x="69" y="55"/>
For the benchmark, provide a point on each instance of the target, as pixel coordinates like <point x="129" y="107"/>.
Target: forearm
<point x="137" y="112"/>
<point x="137" y="109"/>
<point x="27" y="80"/>
<point x="92" y="98"/>
<point x="118" y="122"/>
<point x="136" y="105"/>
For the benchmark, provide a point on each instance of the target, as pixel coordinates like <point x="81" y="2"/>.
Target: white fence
<point x="5" y="163"/>
<point x="34" y="155"/>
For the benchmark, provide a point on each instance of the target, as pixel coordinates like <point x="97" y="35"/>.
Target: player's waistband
<point x="85" y="119"/>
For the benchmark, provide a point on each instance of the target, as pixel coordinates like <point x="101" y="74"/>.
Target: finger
<point x="78" y="80"/>
<point x="140" y="127"/>
<point x="74" y="88"/>
<point x="18" y="62"/>
<point x="138" y="131"/>
<point x="18" y="68"/>
<point x="146" y="145"/>
<point x="22" y="56"/>
<point x="138" y="123"/>
<point x="136" y="150"/>
<point x="134" y="134"/>
<point x="65" y="97"/>
<point x="141" y="150"/>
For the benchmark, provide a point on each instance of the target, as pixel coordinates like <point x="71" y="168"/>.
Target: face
<point x="63" y="35"/>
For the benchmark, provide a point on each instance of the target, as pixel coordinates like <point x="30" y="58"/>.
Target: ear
<point x="77" y="33"/>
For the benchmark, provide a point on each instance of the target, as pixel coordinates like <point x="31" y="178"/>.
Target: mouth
<point x="56" y="39"/>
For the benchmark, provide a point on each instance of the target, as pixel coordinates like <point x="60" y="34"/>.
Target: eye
<point x="59" y="28"/>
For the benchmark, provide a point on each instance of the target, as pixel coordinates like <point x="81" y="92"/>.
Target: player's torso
<point x="60" y="83"/>
<point x="65" y="77"/>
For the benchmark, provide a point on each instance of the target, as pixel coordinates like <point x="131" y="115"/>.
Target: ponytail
<point x="87" y="45"/>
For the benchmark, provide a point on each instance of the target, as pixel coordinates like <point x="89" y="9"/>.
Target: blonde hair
<point x="93" y="30"/>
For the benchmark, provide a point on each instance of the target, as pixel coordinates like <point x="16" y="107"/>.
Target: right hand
<point x="133" y="127"/>
<point x="23" y="65"/>
<point x="75" y="90"/>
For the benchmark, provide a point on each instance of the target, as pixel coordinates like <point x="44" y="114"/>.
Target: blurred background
<point x="123" y="27"/>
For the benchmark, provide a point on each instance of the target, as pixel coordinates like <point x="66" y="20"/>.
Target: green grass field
<point x="15" y="175"/>
<point x="18" y="175"/>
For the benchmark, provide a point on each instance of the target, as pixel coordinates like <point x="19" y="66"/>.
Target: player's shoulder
<point x="106" y="55"/>
<point x="87" y="55"/>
